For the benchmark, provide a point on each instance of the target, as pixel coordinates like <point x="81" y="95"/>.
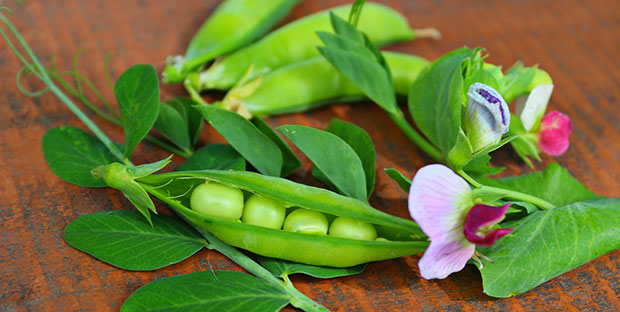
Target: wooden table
<point x="577" y="42"/>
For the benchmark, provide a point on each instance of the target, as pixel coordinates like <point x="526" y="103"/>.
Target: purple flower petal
<point x="481" y="216"/>
<point x="445" y="256"/>
<point x="439" y="200"/>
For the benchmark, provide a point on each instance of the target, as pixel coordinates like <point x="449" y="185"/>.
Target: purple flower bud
<point x="487" y="116"/>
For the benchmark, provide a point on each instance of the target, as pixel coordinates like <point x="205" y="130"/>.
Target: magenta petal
<point x="553" y="142"/>
<point x="444" y="257"/>
<point x="557" y="120"/>
<point x="483" y="215"/>
<point x="438" y="200"/>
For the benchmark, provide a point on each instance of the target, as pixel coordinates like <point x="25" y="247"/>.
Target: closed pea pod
<point x="232" y="25"/>
<point x="404" y="236"/>
<point x="315" y="82"/>
<point x="297" y="41"/>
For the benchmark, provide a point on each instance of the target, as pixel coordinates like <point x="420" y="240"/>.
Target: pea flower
<point x="487" y="116"/>
<point x="550" y="132"/>
<point x="441" y="202"/>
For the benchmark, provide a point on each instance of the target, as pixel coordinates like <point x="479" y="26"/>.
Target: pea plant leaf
<point x="179" y="122"/>
<point x="214" y="156"/>
<point x="192" y="116"/>
<point x="207" y="291"/>
<point x="257" y="148"/>
<point x="436" y="98"/>
<point x="137" y="93"/>
<point x="403" y="182"/>
<point x="516" y="81"/>
<point x="72" y="153"/>
<point x="333" y="156"/>
<point x="361" y="143"/>
<point x="290" y="162"/>
<point x="548" y="243"/>
<point x="124" y="239"/>
<point x="283" y="268"/>
<point x="352" y="54"/>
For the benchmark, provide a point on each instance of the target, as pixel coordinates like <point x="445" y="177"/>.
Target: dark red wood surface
<point x="576" y="41"/>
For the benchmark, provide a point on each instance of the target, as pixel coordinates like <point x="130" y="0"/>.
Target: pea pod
<point x="298" y="40"/>
<point x="315" y="82"/>
<point x="403" y="236"/>
<point x="234" y="24"/>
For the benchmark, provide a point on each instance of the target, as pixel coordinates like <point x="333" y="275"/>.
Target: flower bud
<point x="487" y="116"/>
<point x="555" y="128"/>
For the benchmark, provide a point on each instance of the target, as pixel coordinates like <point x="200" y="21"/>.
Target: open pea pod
<point x="402" y="237"/>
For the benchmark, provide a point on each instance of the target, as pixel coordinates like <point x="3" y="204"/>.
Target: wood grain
<point x="577" y="42"/>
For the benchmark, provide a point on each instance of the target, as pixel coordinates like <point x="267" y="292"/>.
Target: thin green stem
<point x="168" y="147"/>
<point x="469" y="179"/>
<point x="414" y="136"/>
<point x="193" y="93"/>
<point x="485" y="189"/>
<point x="543" y="204"/>
<point x="42" y="74"/>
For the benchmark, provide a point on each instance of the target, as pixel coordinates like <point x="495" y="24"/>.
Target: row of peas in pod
<point x="221" y="201"/>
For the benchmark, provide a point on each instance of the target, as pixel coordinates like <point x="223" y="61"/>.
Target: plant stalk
<point x="414" y="136"/>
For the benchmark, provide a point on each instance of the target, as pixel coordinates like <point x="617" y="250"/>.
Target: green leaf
<point x="436" y="98"/>
<point x="482" y="165"/>
<point x="123" y="239"/>
<point x="173" y="127"/>
<point x="482" y="76"/>
<point x="361" y="143"/>
<point x="214" y="156"/>
<point x="290" y="162"/>
<point x="548" y="243"/>
<point x="137" y="93"/>
<point x="333" y="156"/>
<point x="191" y="116"/>
<point x="554" y="184"/>
<point x="344" y="28"/>
<point x="353" y="55"/>
<point x="284" y="268"/>
<point x="402" y="181"/>
<point x="72" y="153"/>
<point x="207" y="291"/>
<point x="148" y="169"/>
<point x="516" y="81"/>
<point x="245" y="138"/>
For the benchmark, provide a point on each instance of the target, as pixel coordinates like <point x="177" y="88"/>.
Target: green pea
<point x="297" y="41"/>
<point x="345" y="227"/>
<point x="308" y="87"/>
<point x="306" y="221"/>
<point x="217" y="200"/>
<point x="263" y="211"/>
<point x="232" y="25"/>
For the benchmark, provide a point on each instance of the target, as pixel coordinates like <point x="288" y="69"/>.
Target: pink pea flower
<point x="555" y="128"/>
<point x="441" y="202"/>
<point x="551" y="131"/>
